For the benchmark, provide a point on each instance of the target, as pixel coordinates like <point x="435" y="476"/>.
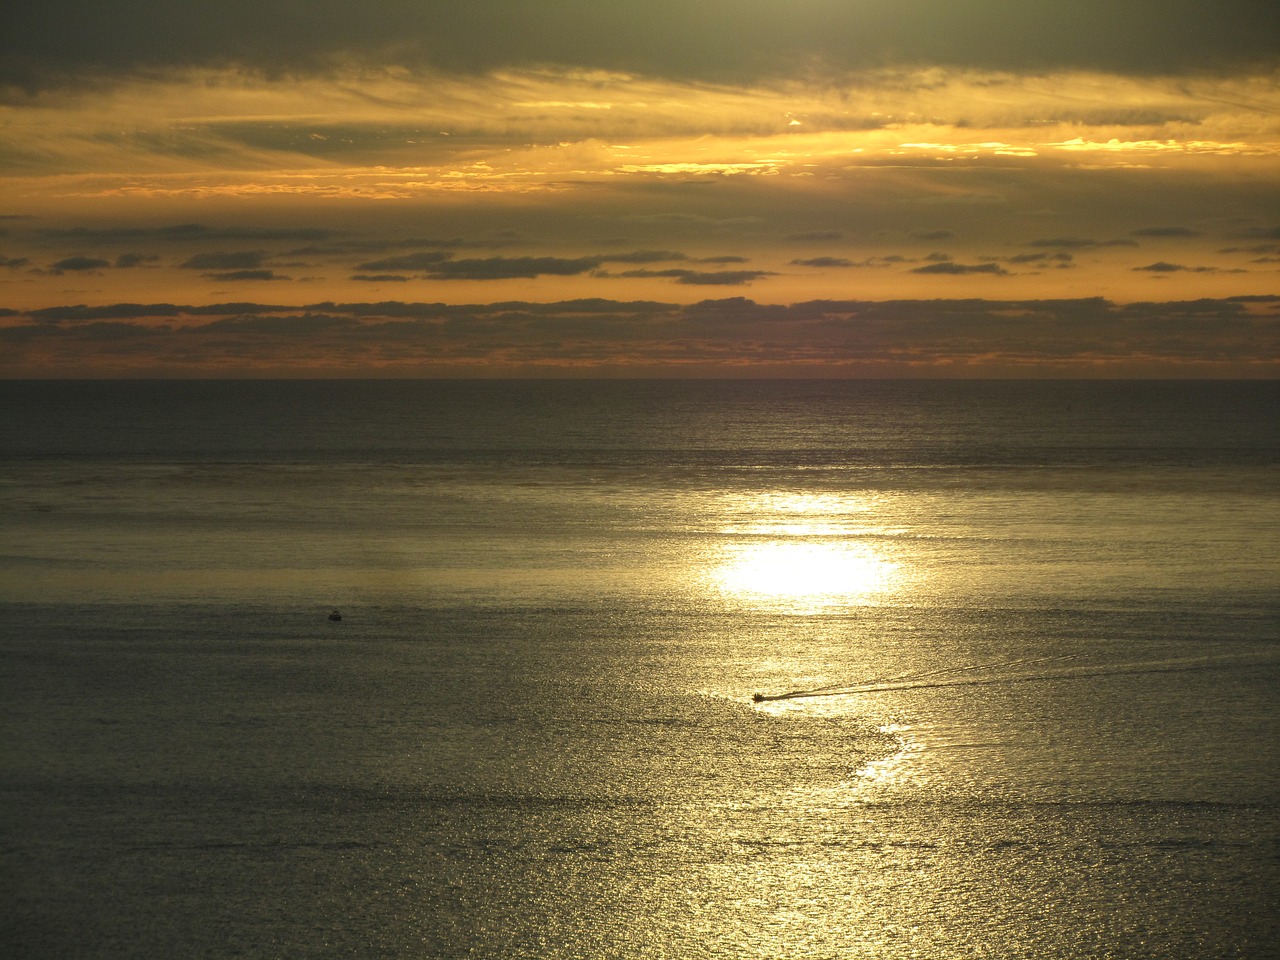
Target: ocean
<point x="668" y="669"/>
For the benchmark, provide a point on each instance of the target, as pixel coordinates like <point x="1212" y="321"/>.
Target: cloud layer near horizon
<point x="734" y="336"/>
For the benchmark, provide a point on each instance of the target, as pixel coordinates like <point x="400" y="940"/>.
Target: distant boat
<point x="335" y="615"/>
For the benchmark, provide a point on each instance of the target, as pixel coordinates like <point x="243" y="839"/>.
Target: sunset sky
<point x="575" y="187"/>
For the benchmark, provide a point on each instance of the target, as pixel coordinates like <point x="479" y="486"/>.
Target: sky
<point x="703" y="188"/>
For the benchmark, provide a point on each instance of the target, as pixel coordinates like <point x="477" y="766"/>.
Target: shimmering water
<point x="1017" y="645"/>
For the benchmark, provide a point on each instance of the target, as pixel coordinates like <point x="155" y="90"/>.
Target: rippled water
<point x="1016" y="646"/>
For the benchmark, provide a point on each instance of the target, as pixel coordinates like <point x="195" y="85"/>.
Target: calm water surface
<point x="1016" y="646"/>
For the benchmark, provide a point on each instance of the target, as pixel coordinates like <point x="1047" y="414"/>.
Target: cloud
<point x="651" y="256"/>
<point x="236" y="275"/>
<point x="243" y="260"/>
<point x="1088" y="337"/>
<point x="126" y="260"/>
<point x="959" y="269"/>
<point x="714" y="278"/>
<point x="305" y="325"/>
<point x="823" y="262"/>
<point x="81" y="313"/>
<point x="1258" y="233"/>
<point x="367" y="246"/>
<point x="424" y="175"/>
<point x="1061" y="257"/>
<point x="13" y="262"/>
<point x="77" y="264"/>
<point x="442" y="267"/>
<point x="1162" y="266"/>
<point x="410" y="261"/>
<point x="509" y="268"/>
<point x="722" y="39"/>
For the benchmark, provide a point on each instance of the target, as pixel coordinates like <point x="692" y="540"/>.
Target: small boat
<point x="335" y="616"/>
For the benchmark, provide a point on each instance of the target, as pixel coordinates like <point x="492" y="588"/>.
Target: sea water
<point x="1016" y="648"/>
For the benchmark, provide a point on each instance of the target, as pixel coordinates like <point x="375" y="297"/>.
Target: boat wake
<point x="999" y="671"/>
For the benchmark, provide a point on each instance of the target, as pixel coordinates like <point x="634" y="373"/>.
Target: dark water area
<point x="1016" y="646"/>
<point x="964" y="422"/>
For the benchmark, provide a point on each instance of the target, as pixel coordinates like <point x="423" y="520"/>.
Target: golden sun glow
<point x="803" y="551"/>
<point x="804" y="574"/>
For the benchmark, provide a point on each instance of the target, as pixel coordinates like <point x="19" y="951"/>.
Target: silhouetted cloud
<point x="82" y="313"/>
<point x="959" y="269"/>
<point x="382" y="245"/>
<point x="508" y="268"/>
<point x="236" y="275"/>
<point x="306" y="324"/>
<point x="242" y="260"/>
<point x="126" y="260"/>
<point x="645" y="256"/>
<point x="712" y="278"/>
<point x="1162" y="266"/>
<point x="80" y="264"/>
<point x="410" y="261"/>
<point x="440" y="265"/>
<point x="1059" y="257"/>
<point x="823" y="262"/>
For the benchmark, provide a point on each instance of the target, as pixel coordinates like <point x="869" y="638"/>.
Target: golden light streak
<point x="234" y="120"/>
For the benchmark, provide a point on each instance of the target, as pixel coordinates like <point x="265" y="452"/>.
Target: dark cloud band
<point x="710" y="38"/>
<point x="1088" y="337"/>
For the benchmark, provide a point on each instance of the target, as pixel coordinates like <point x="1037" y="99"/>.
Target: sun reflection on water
<point x="804" y="573"/>
<point x="802" y="552"/>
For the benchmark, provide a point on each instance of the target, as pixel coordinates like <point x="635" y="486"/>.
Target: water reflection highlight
<point x="803" y="574"/>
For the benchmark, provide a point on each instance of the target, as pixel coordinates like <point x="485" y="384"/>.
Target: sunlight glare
<point x="804" y="573"/>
